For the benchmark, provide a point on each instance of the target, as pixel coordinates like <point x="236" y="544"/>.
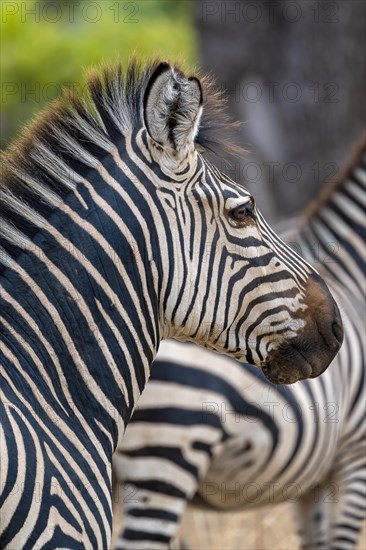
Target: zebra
<point x="109" y="213"/>
<point x="214" y="431"/>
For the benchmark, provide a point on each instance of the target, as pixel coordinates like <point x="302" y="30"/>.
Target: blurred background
<point x="294" y="73"/>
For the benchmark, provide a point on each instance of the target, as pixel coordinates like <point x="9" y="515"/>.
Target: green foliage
<point x="47" y="45"/>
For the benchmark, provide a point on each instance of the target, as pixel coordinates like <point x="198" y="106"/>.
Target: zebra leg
<point x="151" y="516"/>
<point x="331" y="516"/>
<point x="179" y="544"/>
<point x="312" y="520"/>
<point x="348" y="511"/>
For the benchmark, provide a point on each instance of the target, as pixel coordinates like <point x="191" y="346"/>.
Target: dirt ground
<point x="269" y="528"/>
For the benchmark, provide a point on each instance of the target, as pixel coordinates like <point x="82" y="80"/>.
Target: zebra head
<point x="229" y="282"/>
<point x="149" y="238"/>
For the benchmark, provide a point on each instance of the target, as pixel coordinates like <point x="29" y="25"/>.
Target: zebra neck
<point x="333" y="239"/>
<point x="85" y="300"/>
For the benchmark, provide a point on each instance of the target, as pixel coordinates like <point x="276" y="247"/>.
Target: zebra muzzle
<point x="311" y="352"/>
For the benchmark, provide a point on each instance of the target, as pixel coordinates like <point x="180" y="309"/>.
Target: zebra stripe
<point x="108" y="211"/>
<point x="215" y="431"/>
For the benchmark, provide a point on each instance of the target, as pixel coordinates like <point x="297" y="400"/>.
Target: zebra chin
<point x="297" y="360"/>
<point x="279" y="371"/>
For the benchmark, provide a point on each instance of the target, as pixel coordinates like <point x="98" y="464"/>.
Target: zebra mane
<point x="46" y="162"/>
<point x="347" y="172"/>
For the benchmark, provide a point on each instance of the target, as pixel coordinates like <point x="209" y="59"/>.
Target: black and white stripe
<point x="107" y="213"/>
<point x="215" y="431"/>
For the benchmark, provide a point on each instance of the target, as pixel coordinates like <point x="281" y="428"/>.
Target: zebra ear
<point x="172" y="108"/>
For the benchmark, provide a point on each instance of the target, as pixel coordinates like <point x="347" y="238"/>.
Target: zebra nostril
<point x="338" y="331"/>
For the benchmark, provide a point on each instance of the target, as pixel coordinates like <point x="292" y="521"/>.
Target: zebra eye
<point x="243" y="211"/>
